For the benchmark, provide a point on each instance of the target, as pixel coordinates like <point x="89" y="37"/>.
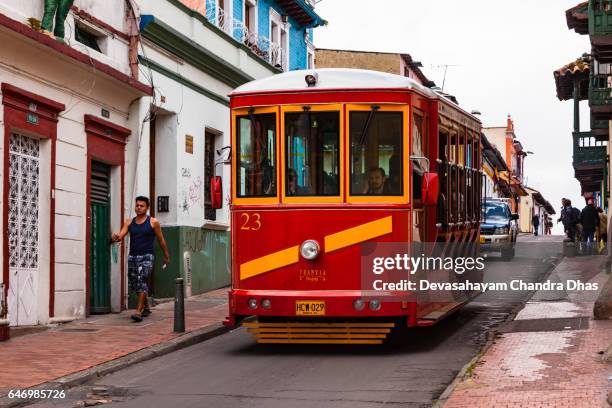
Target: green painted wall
<point x="208" y="252"/>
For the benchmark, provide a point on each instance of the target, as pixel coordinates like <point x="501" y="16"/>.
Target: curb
<point x="491" y="336"/>
<point x="109" y="367"/>
<point x="463" y="373"/>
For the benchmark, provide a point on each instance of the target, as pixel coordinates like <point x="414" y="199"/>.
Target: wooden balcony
<point x="600" y="29"/>
<point x="590" y="159"/>
<point x="600" y="127"/>
<point x="600" y="94"/>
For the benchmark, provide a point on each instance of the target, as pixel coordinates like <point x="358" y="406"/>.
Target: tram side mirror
<point x="216" y="192"/>
<point x="431" y="188"/>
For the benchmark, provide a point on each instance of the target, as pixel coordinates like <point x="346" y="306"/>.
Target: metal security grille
<point x="100" y="185"/>
<point x="23" y="201"/>
<point x="23" y="220"/>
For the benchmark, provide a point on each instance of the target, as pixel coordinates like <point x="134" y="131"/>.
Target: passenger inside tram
<point x="313" y="153"/>
<point x="293" y="188"/>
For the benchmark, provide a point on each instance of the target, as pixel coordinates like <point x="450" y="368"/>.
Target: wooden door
<point x="99" y="290"/>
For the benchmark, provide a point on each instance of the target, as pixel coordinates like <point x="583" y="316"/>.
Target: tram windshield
<point x="313" y="153"/>
<point x="376" y="153"/>
<point x="256" y="154"/>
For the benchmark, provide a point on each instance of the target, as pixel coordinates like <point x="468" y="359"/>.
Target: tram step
<point x="319" y="332"/>
<point x="431" y="318"/>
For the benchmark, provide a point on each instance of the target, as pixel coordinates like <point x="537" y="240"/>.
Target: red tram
<point x="326" y="160"/>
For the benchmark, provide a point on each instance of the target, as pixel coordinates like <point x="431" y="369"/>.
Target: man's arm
<point x="160" y="238"/>
<point x="124" y="230"/>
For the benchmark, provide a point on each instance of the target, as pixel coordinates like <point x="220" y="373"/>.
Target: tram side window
<point x="462" y="185"/>
<point x="443" y="169"/>
<point x="418" y="149"/>
<point x="376" y="153"/>
<point x="469" y="181"/>
<point x="256" y="144"/>
<point x="454" y="194"/>
<point x="313" y="153"/>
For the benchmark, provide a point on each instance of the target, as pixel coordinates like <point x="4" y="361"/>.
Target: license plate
<point x="482" y="240"/>
<point x="310" y="308"/>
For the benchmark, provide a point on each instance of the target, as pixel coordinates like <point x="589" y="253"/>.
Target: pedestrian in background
<point x="603" y="226"/>
<point x="589" y="218"/>
<point x="569" y="217"/>
<point x="536" y="223"/>
<point x="143" y="230"/>
<point x="549" y="225"/>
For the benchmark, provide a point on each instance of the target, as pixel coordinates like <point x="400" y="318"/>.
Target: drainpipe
<point x="576" y="106"/>
<point x="4" y="322"/>
<point x="133" y="29"/>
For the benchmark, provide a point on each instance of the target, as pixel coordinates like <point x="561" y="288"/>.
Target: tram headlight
<point x="252" y="303"/>
<point x="311" y="79"/>
<point x="374" y="305"/>
<point x="359" y="304"/>
<point x="266" y="304"/>
<point x="310" y="249"/>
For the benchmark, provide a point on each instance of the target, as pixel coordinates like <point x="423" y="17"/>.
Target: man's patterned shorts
<point x="139" y="269"/>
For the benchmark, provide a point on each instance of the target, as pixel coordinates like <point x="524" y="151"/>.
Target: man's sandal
<point x="137" y="317"/>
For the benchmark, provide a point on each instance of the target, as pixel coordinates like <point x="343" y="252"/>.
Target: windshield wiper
<point x="366" y="127"/>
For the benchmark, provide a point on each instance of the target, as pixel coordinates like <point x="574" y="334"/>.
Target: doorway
<point x="99" y="247"/>
<point x="23" y="222"/>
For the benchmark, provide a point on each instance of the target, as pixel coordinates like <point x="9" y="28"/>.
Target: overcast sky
<point x="505" y="54"/>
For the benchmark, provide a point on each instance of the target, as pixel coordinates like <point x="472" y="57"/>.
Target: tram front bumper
<point x="313" y="304"/>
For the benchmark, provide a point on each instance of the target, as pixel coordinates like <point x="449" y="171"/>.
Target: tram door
<point x="99" y="270"/>
<point x="418" y="148"/>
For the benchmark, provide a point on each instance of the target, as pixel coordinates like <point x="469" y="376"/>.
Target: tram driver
<point x="377" y="182"/>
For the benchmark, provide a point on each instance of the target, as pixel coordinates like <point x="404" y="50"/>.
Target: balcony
<point x="600" y="127"/>
<point x="600" y="29"/>
<point x="260" y="45"/>
<point x="600" y="18"/>
<point x="600" y="93"/>
<point x="590" y="157"/>
<point x="588" y="152"/>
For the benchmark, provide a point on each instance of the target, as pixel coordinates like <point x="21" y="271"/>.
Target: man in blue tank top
<point x="143" y="230"/>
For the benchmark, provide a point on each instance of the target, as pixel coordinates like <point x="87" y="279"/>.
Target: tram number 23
<point x="250" y="222"/>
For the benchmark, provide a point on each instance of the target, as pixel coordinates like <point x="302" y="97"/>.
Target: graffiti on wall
<point x="198" y="240"/>
<point x="193" y="240"/>
<point x="192" y="195"/>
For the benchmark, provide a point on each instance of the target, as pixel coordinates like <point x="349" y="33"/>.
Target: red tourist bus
<point x="326" y="160"/>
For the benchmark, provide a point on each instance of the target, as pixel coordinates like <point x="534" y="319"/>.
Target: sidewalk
<point x="549" y="356"/>
<point x="38" y="358"/>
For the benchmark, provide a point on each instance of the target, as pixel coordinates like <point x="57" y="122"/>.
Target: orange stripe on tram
<point x="333" y="242"/>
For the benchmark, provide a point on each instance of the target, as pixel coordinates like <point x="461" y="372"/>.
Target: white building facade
<point x="66" y="117"/>
<point x="195" y="54"/>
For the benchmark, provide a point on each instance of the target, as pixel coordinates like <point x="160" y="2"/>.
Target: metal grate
<point x="23" y="201"/>
<point x="320" y="332"/>
<point x="188" y="273"/>
<point x="100" y="183"/>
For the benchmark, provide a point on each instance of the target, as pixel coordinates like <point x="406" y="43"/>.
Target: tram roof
<point x="332" y="79"/>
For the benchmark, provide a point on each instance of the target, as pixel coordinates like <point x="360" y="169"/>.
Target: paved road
<point x="232" y="371"/>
